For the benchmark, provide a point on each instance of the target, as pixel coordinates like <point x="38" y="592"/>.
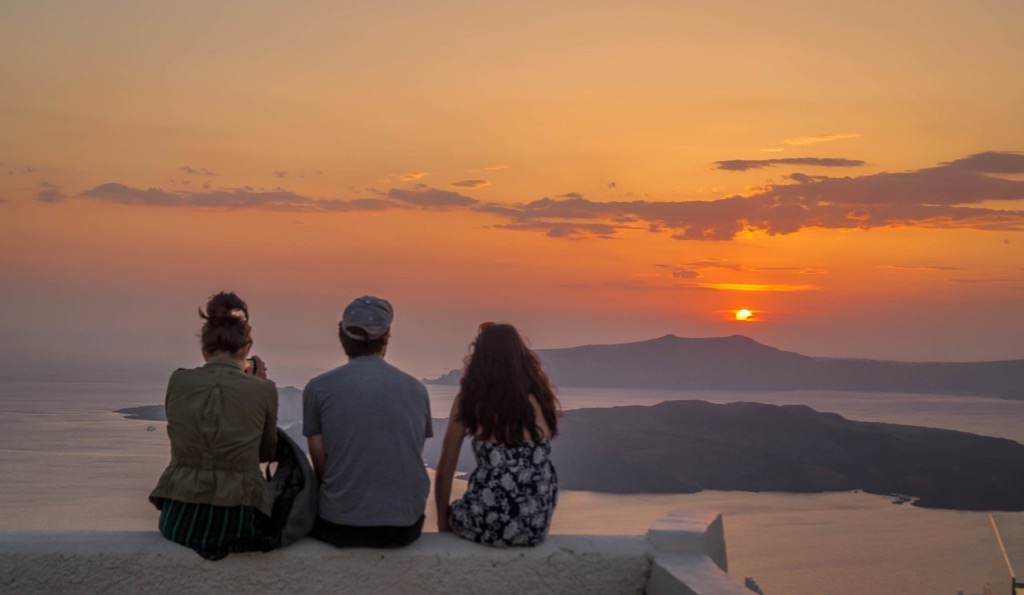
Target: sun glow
<point x="744" y="314"/>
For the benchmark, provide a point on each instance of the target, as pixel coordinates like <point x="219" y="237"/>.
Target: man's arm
<point x="314" y="434"/>
<point x="318" y="454"/>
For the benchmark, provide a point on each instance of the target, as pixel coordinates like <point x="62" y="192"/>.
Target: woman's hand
<point x="258" y="367"/>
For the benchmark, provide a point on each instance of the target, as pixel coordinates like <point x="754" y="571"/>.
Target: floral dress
<point x="510" y="497"/>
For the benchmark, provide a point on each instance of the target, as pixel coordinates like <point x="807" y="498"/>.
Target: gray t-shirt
<point x="374" y="419"/>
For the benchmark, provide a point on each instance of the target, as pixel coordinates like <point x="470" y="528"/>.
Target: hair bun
<point x="226" y="307"/>
<point x="227" y="327"/>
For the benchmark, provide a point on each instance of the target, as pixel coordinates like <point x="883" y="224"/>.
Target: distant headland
<point x="678" y="445"/>
<point x="689" y="446"/>
<point x="741" y="363"/>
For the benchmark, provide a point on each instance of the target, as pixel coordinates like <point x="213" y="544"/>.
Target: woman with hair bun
<point x="222" y="421"/>
<point x="507" y="407"/>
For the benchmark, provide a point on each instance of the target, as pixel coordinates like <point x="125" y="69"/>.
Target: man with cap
<point x="366" y="422"/>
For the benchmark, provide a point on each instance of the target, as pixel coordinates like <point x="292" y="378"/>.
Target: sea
<point x="68" y="462"/>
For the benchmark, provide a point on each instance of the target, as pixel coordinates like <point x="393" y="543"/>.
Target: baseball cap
<point x="367" y="318"/>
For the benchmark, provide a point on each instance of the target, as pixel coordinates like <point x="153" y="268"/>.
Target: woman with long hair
<point x="222" y="421"/>
<point x="507" y="408"/>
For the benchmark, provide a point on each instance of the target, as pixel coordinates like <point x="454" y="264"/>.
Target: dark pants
<point x="214" y="531"/>
<point x="379" y="537"/>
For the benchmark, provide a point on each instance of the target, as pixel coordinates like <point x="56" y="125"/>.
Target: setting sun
<point x="744" y="314"/>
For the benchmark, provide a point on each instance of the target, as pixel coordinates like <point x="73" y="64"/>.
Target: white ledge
<point x="667" y="562"/>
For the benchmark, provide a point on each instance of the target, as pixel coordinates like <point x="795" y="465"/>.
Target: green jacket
<point x="222" y="422"/>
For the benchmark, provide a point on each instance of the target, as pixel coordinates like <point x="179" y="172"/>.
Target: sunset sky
<point x="591" y="171"/>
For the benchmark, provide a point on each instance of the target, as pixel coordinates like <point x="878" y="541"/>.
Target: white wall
<point x="682" y="555"/>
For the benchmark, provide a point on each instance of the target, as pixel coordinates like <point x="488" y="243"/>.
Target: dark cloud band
<point x="947" y="196"/>
<point x="748" y="164"/>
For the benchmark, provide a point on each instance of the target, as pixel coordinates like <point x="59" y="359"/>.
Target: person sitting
<point x="507" y="407"/>
<point x="222" y="421"/>
<point x="366" y="422"/>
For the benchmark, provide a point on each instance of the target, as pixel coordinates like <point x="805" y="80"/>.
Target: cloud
<point x="413" y="176"/>
<point x="759" y="287"/>
<point x="982" y="280"/>
<point x="245" y="198"/>
<point x="646" y="286"/>
<point x="686" y="285"/>
<point x="695" y="270"/>
<point x="715" y="263"/>
<point x="990" y="162"/>
<point x="939" y="197"/>
<point x="431" y="198"/>
<point x="921" y="268"/>
<point x="50" y="193"/>
<point x="572" y="231"/>
<point x="721" y="219"/>
<point x="232" y="198"/>
<point x="953" y="195"/>
<point x="121" y="194"/>
<point x="496" y="167"/>
<point x="197" y="171"/>
<point x="748" y="164"/>
<point x="471" y="183"/>
<point x="821" y="138"/>
<point x="13" y="169"/>
<point x="959" y="182"/>
<point x="799" y="270"/>
<point x="686" y="274"/>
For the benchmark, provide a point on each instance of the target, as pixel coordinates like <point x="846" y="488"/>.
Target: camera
<point x="250" y="365"/>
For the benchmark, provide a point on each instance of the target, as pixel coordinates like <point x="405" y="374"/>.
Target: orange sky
<point x="590" y="171"/>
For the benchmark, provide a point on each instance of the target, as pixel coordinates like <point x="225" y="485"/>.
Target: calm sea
<point x="69" y="463"/>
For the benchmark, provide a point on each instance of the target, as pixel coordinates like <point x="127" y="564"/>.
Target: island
<point x="741" y="363"/>
<point x="692" y="445"/>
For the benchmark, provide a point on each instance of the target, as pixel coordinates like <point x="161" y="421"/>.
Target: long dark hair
<point x="227" y="324"/>
<point x="500" y="376"/>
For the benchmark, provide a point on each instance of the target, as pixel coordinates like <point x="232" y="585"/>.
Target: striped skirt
<point x="215" y="531"/>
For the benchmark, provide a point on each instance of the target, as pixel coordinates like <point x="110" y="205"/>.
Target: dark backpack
<point x="294" y="487"/>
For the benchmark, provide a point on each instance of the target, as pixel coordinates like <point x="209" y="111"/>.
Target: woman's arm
<point x="446" y="463"/>
<point x="539" y="421"/>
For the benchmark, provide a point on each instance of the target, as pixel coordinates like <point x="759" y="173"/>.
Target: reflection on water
<point x="69" y="463"/>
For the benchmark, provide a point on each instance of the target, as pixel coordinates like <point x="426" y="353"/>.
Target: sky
<point x="590" y="171"/>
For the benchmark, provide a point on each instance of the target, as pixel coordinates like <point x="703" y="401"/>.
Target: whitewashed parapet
<point x="683" y="553"/>
<point x="145" y="562"/>
<point x="689" y="555"/>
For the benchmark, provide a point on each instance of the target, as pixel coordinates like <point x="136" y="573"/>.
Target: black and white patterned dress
<point x="510" y="497"/>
